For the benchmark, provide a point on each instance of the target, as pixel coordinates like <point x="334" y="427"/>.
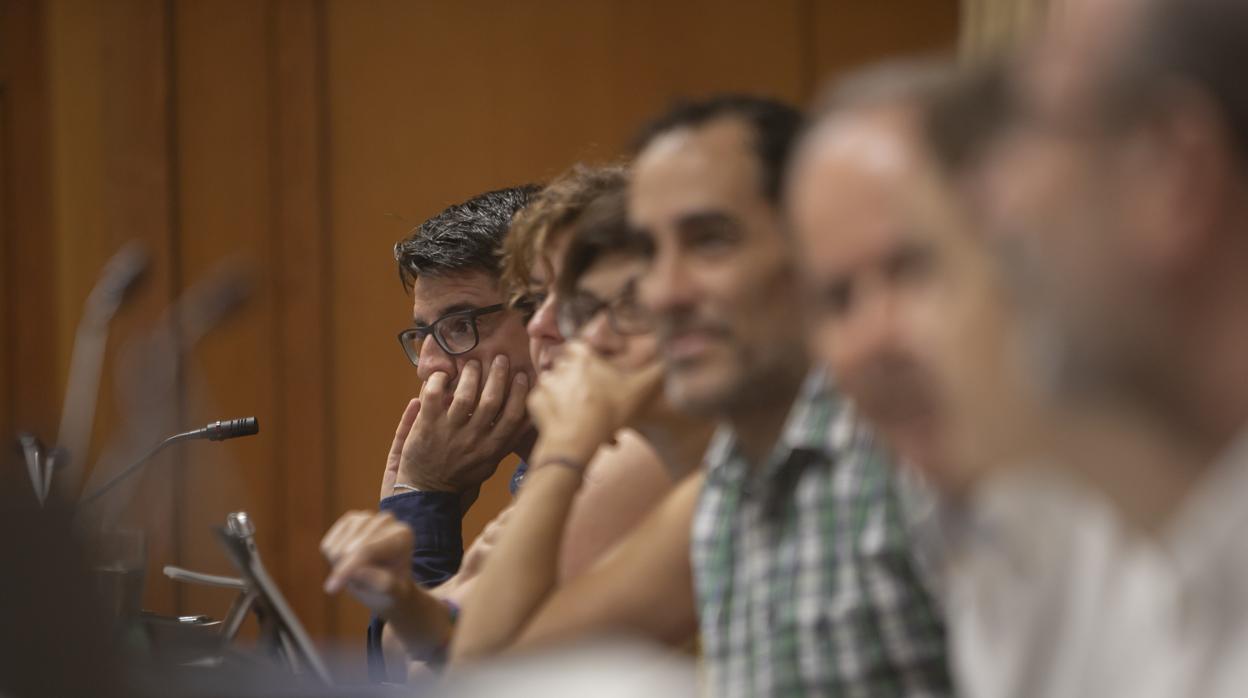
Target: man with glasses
<point x="470" y="351"/>
<point x="1119" y="191"/>
<point x="606" y="384"/>
<point x="471" y="355"/>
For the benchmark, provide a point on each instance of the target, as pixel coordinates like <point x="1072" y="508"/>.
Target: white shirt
<point x="1193" y="580"/>
<point x="1029" y="562"/>
<point x="1049" y="594"/>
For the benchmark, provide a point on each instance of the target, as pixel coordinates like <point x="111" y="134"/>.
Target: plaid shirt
<point x="805" y="576"/>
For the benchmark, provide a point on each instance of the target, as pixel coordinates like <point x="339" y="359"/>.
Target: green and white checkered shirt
<point x="806" y="579"/>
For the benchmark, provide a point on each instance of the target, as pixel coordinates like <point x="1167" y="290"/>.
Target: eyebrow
<point x="703" y="217"/>
<point x="695" y="218"/>
<point x="453" y="308"/>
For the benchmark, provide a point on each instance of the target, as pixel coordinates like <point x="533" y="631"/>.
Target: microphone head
<point x="232" y="429"/>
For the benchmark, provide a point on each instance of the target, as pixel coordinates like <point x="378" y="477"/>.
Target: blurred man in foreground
<point x="910" y="310"/>
<point x="1120" y="186"/>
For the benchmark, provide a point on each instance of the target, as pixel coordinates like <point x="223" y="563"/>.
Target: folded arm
<point x="642" y="587"/>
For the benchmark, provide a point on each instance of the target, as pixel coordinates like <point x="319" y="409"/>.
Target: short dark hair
<point x="1203" y="41"/>
<point x="774" y="125"/>
<point x="601" y="230"/>
<point x="465" y="237"/>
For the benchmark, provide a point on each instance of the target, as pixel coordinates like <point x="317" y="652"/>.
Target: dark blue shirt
<point x="436" y="521"/>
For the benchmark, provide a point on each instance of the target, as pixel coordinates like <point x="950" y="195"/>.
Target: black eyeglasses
<point x="456" y="333"/>
<point x="528" y="303"/>
<point x="624" y="314"/>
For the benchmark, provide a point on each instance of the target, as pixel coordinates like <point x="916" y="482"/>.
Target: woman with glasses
<point x="624" y="484"/>
<point x="607" y="382"/>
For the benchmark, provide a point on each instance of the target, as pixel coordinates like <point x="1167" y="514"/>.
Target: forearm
<point x="395" y="654"/>
<point x="421" y="622"/>
<point x="642" y="587"/>
<point x="663" y="613"/>
<point x="523" y="568"/>
<point x="387" y="653"/>
<point x="623" y="484"/>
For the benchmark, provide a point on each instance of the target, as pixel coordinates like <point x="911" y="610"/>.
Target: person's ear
<point x="1183" y="169"/>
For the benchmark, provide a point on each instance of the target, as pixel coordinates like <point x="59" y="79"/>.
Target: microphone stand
<point x="217" y="431"/>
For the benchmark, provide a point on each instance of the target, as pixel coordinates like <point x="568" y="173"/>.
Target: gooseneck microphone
<point x="217" y="431"/>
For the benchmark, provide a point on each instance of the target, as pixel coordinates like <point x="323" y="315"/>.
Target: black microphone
<point x="229" y="429"/>
<point x="217" y="431"/>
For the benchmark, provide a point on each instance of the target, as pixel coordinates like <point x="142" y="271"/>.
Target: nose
<point x="543" y="325"/>
<point x="433" y="359"/>
<point x="666" y="286"/>
<point x="871" y="333"/>
<point x="601" y="337"/>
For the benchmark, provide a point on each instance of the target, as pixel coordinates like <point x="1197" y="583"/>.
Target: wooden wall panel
<point x="302" y="291"/>
<point x="7" y="287"/>
<point x="225" y="202"/>
<point x="850" y="33"/>
<point x="992" y="27"/>
<point x="29" y="373"/>
<point x="112" y="182"/>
